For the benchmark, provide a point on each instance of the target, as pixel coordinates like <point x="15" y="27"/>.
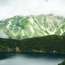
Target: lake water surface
<point x="30" y="59"/>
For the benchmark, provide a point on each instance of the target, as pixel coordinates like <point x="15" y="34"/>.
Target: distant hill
<point x="47" y="44"/>
<point x="20" y="27"/>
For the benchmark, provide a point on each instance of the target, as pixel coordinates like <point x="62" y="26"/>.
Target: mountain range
<point x="20" y="27"/>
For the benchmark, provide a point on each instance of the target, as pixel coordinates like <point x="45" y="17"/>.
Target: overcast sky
<point x="10" y="8"/>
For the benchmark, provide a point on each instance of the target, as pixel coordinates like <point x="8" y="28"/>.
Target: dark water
<point x="30" y="59"/>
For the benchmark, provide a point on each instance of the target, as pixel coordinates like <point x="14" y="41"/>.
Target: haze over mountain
<point x="9" y="8"/>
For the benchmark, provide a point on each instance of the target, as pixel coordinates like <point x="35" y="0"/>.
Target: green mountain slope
<point x="20" y="27"/>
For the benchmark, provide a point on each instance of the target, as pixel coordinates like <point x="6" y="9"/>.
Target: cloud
<point x="4" y="2"/>
<point x="10" y="8"/>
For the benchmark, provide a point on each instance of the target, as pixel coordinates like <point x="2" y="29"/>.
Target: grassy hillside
<point x="45" y="44"/>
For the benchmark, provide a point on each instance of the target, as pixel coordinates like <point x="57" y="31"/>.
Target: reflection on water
<point x="30" y="59"/>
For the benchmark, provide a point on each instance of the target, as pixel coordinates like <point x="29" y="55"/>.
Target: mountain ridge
<point x="19" y="27"/>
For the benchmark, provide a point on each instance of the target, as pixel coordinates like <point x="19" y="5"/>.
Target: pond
<point x="30" y="59"/>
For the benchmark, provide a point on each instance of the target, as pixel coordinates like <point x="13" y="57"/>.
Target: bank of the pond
<point x="46" y="44"/>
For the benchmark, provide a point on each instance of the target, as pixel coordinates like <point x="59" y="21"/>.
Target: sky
<point x="9" y="8"/>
